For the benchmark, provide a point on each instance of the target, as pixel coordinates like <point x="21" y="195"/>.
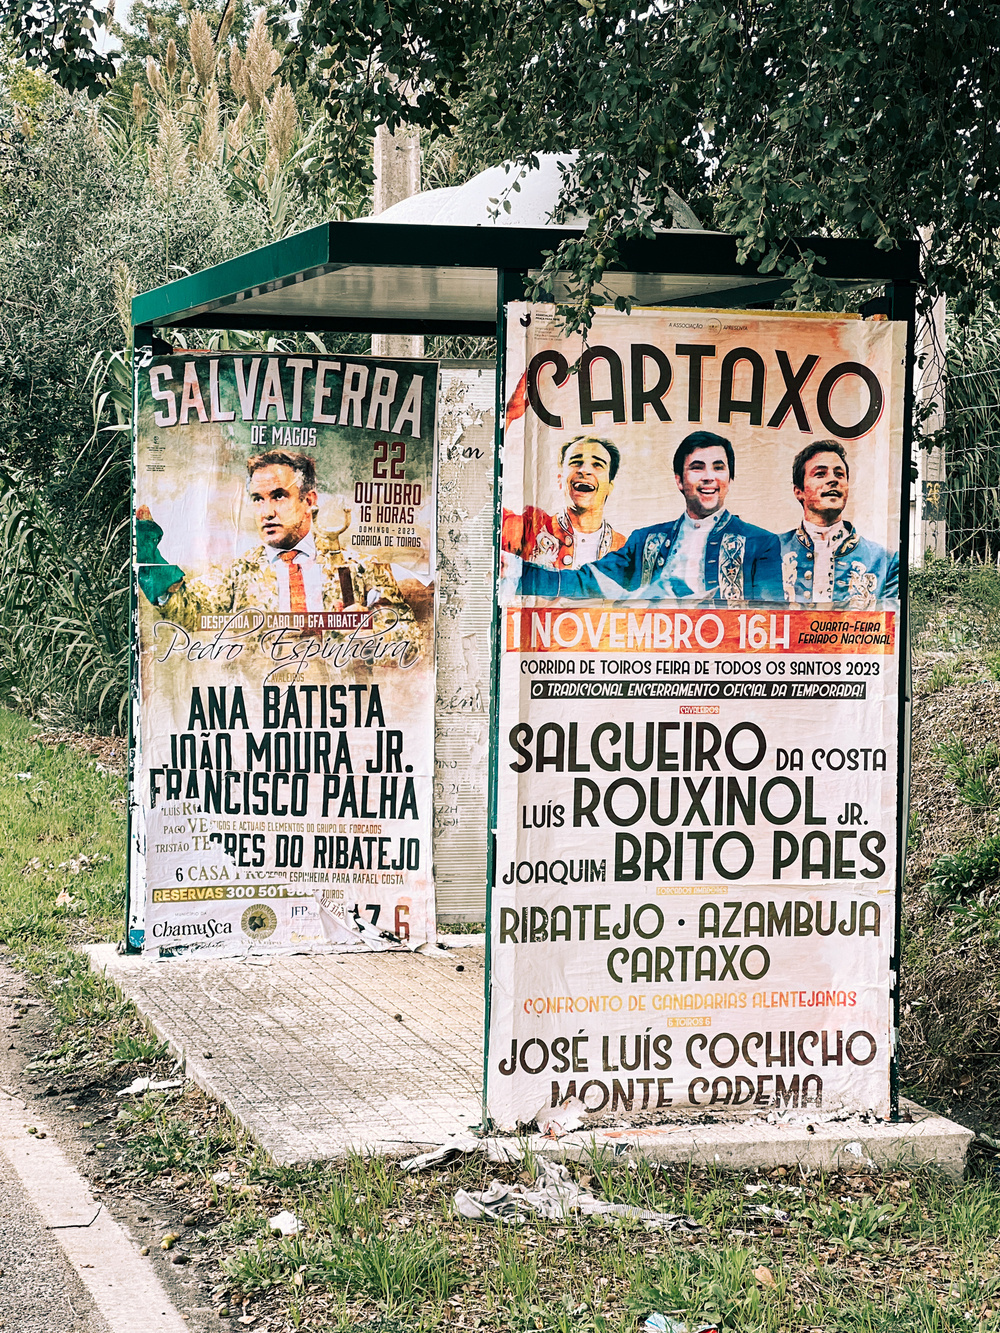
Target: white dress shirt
<point x="586" y="546"/>
<point x="825" y="542"/>
<point x="312" y="573"/>
<point x="684" y="572"/>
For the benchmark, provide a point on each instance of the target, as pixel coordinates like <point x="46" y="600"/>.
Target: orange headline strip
<point x="560" y="629"/>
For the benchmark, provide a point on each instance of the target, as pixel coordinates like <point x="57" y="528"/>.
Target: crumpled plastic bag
<point x="555" y="1194"/>
<point x="663" y="1323"/>
<point x="458" y="1145"/>
<point x="285" y="1223"/>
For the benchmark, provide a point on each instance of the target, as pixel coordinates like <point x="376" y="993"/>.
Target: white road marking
<point x="122" y="1284"/>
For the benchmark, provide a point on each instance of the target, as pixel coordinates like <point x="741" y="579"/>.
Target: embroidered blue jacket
<point x="865" y="575"/>
<point x="742" y="564"/>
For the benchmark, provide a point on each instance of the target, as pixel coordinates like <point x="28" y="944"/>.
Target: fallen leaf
<point x="764" y="1276"/>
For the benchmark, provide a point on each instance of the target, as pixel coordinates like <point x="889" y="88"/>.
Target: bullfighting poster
<point x="694" y="890"/>
<point x="284" y="710"/>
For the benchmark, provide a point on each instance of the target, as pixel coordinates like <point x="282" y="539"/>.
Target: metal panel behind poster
<point x="285" y="535"/>
<point x="696" y="753"/>
<point x="465" y="562"/>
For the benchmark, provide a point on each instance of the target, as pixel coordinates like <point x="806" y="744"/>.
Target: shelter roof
<point x="430" y="265"/>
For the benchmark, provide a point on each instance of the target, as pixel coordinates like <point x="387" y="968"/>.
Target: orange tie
<point x="296" y="585"/>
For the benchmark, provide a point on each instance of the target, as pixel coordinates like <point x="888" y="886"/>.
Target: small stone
<point x="144" y="1250"/>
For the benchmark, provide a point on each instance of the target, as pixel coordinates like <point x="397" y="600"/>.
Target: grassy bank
<point x="950" y="1026"/>
<point x="62" y="874"/>
<point x="64" y="833"/>
<point x="774" y="1253"/>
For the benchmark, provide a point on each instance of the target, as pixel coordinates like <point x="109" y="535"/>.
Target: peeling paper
<point x="554" y="1122"/>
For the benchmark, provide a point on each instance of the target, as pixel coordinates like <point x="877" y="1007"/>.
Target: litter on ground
<point x="497" y="1150"/>
<point x="284" y="1222"/>
<point x="664" y="1323"/>
<point x="555" y="1194"/>
<point x="149" y="1085"/>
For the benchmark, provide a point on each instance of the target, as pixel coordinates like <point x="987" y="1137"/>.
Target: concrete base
<point x="382" y="1053"/>
<point x="929" y="1140"/>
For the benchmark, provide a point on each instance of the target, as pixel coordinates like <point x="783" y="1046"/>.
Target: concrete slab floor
<point x="318" y="1055"/>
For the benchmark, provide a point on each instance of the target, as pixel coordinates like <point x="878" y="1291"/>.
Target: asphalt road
<point x="39" y="1291"/>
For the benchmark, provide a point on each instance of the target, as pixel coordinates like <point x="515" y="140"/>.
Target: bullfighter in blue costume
<point x="825" y="561"/>
<point x="707" y="557"/>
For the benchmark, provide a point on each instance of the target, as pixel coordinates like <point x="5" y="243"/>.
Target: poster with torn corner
<point x="283" y="710"/>
<point x="696" y="748"/>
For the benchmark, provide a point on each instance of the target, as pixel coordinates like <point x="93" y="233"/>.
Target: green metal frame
<point x="212" y="298"/>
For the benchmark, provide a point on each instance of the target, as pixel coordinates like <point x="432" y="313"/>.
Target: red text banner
<point x="552" y="629"/>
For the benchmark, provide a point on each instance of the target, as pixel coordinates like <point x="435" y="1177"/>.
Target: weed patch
<point x="970" y="770"/>
<point x="940" y="678"/>
<point x="958" y="877"/>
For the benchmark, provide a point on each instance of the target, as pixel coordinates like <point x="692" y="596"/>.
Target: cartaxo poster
<point x="284" y="713"/>
<point x="696" y="809"/>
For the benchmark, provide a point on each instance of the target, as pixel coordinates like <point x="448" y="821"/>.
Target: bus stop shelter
<point x="392" y="278"/>
<point x="432" y="278"/>
<point x="398" y="278"/>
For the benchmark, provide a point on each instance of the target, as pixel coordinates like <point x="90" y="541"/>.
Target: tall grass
<point x="955" y="604"/>
<point x="64" y="622"/>
<point x="971" y="437"/>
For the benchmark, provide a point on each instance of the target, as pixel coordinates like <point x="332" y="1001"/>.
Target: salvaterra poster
<point x="285" y="564"/>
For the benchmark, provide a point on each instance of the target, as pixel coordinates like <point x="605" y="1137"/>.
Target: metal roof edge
<point x="429" y="245"/>
<point x="255" y="268"/>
